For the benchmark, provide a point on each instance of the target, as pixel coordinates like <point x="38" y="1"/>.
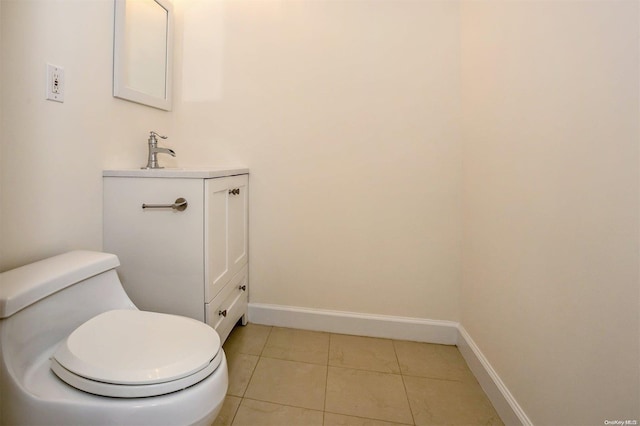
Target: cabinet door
<point x="160" y="250"/>
<point x="238" y="222"/>
<point x="226" y="221"/>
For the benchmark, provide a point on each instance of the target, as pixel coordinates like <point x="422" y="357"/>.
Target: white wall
<point x="550" y="284"/>
<point x="52" y="154"/>
<point x="347" y="114"/>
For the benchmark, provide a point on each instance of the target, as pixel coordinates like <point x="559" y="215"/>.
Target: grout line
<point x="365" y="370"/>
<point x="242" y="398"/>
<point x="326" y="379"/>
<point x="404" y="385"/>
<point x="235" y="413"/>
<point x="292" y="360"/>
<point x="284" y="405"/>
<point x="406" y="395"/>
<point x="371" y="418"/>
<point x="244" y="392"/>
<point x="255" y="367"/>
<point x="265" y="341"/>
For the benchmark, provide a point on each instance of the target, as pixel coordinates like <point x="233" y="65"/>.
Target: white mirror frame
<point x="120" y="88"/>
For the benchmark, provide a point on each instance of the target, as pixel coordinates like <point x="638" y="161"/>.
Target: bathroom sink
<point x="200" y="172"/>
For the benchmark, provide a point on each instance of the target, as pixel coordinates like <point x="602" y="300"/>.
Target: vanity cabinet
<point x="189" y="261"/>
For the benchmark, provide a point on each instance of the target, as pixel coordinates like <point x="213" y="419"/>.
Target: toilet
<point x="75" y="350"/>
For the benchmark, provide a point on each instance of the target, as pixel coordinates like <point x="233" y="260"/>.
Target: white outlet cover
<point x="55" y="83"/>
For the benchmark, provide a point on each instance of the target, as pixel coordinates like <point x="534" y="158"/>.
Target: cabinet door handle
<point x="243" y="287"/>
<point x="223" y="313"/>
<point x="234" y="191"/>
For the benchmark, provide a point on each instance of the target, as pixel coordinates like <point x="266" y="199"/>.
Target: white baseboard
<point x="503" y="401"/>
<point x="384" y="326"/>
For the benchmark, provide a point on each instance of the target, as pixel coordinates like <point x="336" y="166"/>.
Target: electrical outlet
<point x="55" y="83"/>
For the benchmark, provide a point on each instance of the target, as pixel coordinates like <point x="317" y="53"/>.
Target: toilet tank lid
<point x="27" y="284"/>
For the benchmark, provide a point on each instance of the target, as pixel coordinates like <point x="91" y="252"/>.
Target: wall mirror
<point x="142" y="52"/>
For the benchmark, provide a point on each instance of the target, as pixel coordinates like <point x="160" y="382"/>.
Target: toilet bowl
<point x="75" y="350"/>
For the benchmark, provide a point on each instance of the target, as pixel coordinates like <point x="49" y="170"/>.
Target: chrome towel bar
<point x="180" y="205"/>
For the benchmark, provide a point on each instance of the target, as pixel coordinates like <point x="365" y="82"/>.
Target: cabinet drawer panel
<point x="231" y="303"/>
<point x="235" y="311"/>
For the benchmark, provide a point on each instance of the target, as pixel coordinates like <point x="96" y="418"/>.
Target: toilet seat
<point x="131" y="354"/>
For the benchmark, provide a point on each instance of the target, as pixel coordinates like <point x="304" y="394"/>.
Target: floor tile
<point x="228" y="411"/>
<point x="288" y="382"/>
<point x="431" y="360"/>
<point x="241" y="368"/>
<point x="248" y="339"/>
<point x="364" y="353"/>
<point x="296" y="377"/>
<point x="259" y="413"/>
<point x="368" y="394"/>
<point x="331" y="419"/>
<point x="447" y="402"/>
<point x="297" y="345"/>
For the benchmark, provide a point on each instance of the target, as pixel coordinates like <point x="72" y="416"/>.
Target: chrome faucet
<point x="152" y="162"/>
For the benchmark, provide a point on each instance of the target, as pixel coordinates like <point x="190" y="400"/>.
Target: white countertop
<point x="195" y="173"/>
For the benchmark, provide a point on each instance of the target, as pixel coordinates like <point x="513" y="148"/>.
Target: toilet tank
<point x="31" y="283"/>
<point x="43" y="302"/>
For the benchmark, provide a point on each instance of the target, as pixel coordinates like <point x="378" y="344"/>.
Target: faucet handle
<point x="153" y="135"/>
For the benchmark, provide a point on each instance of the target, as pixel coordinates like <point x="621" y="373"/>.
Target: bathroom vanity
<point x="182" y="239"/>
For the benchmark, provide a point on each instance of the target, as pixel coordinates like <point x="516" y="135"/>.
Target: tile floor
<point x="282" y="376"/>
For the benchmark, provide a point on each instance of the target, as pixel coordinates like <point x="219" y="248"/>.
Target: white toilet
<point x="74" y="350"/>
